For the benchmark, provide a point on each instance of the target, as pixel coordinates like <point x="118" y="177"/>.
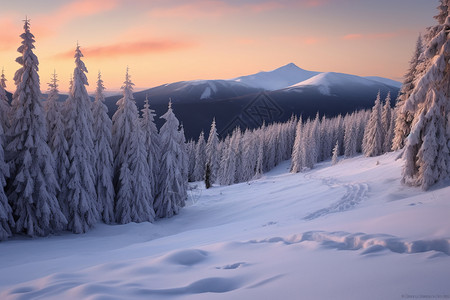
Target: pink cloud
<point x="311" y="41"/>
<point x="217" y="8"/>
<point x="246" y="41"/>
<point x="131" y="48"/>
<point x="82" y="8"/>
<point x="374" y="36"/>
<point x="353" y="36"/>
<point x="48" y="24"/>
<point x="193" y="10"/>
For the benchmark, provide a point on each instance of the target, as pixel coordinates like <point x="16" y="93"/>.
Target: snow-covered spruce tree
<point x="249" y="156"/>
<point x="334" y="158"/>
<point x="32" y="187"/>
<point x="56" y="138"/>
<point x="386" y="116"/>
<point x="260" y="158"/>
<point x="172" y="178"/>
<point x="228" y="166"/>
<point x="403" y="119"/>
<point x="4" y="104"/>
<point x="427" y="158"/>
<point x="78" y="193"/>
<point x="350" y="139"/>
<point x="152" y="144"/>
<point x="184" y="166"/>
<point x="133" y="201"/>
<point x="373" y="133"/>
<point x="103" y="168"/>
<point x="326" y="141"/>
<point x="52" y="107"/>
<point x="212" y="152"/>
<point x="387" y="146"/>
<point x="296" y="163"/>
<point x="190" y="148"/>
<point x="200" y="158"/>
<point x="6" y="217"/>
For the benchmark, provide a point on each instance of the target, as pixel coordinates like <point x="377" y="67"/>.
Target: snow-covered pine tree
<point x="152" y="144"/>
<point x="373" y="133"/>
<point x="133" y="200"/>
<point x="212" y="152"/>
<point x="200" y="158"/>
<point x="404" y="119"/>
<point x="172" y="180"/>
<point x="4" y="104"/>
<point x="335" y="159"/>
<point x="103" y="169"/>
<point x="32" y="187"/>
<point x="81" y="206"/>
<point x="56" y="138"/>
<point x="6" y="217"/>
<point x="427" y="158"/>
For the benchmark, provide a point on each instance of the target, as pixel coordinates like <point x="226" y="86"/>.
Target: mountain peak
<point x="277" y="79"/>
<point x="290" y="66"/>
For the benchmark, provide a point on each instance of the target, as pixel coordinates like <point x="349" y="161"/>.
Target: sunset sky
<point x="164" y="41"/>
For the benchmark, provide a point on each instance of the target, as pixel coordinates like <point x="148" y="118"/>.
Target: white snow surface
<point x="348" y="231"/>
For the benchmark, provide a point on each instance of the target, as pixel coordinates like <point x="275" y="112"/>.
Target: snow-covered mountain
<point x="277" y="79"/>
<point x="271" y="96"/>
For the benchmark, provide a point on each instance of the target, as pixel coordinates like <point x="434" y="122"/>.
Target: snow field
<point x="369" y="238"/>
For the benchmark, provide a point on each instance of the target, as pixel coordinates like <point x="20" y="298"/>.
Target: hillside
<point x="335" y="232"/>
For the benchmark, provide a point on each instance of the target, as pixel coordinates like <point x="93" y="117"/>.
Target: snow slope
<point x="349" y="231"/>
<point x="385" y="81"/>
<point x="327" y="80"/>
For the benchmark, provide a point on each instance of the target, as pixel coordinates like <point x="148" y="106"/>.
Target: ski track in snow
<point x="355" y="193"/>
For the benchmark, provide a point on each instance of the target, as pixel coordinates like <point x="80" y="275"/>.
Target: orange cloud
<point x="126" y="49"/>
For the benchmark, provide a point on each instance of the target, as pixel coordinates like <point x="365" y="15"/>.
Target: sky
<point x="163" y="41"/>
